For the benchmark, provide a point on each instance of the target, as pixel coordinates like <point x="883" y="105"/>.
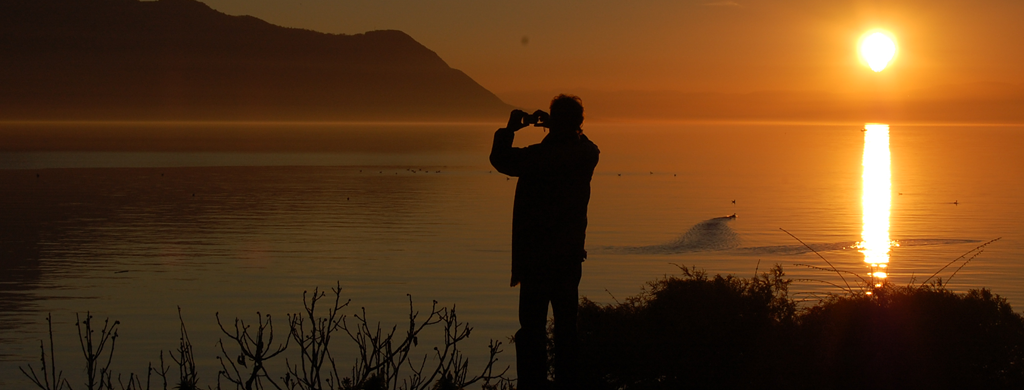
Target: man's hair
<point x="570" y="107"/>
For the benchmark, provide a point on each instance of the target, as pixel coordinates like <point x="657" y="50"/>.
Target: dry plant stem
<point x="833" y="270"/>
<point x="149" y="374"/>
<point x="818" y="281"/>
<point x="188" y="378"/>
<point x="162" y="373"/>
<point x="134" y="382"/>
<point x="848" y="288"/>
<point x="488" y="375"/>
<point x="55" y="380"/>
<point x="815" y="296"/>
<point x="977" y="248"/>
<point x="224" y="373"/>
<point x="313" y="344"/>
<point x="963" y="265"/>
<point x="447" y="356"/>
<point x="452" y="366"/>
<point x="456" y="368"/>
<point x="611" y="295"/>
<point x="380" y="355"/>
<point x="255" y="349"/>
<point x="92" y="350"/>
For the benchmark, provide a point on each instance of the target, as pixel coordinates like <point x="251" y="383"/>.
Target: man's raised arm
<point x="504" y="157"/>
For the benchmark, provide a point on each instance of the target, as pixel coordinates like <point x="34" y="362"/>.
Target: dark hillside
<point x="179" y="59"/>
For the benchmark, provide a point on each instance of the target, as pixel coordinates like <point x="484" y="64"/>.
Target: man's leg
<point x="565" y="305"/>
<point x="531" y="339"/>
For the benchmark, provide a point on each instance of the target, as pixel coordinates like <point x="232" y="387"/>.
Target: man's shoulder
<point x="589" y="144"/>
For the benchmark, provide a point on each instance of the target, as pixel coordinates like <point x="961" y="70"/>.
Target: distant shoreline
<point x="477" y="121"/>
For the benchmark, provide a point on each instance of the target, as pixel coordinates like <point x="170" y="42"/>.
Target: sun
<point x="878" y="49"/>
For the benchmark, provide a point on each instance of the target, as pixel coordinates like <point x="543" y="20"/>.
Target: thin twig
<point x="613" y="297"/>
<point x="958" y="258"/>
<point x="848" y="288"/>
<point x="963" y="265"/>
<point x="54" y="380"/>
<point x="819" y="281"/>
<point x="832" y="270"/>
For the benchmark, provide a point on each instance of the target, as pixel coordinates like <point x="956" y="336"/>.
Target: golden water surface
<point x="212" y="220"/>
<point x="876" y="201"/>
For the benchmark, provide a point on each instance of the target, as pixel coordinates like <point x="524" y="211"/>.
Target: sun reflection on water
<point x="876" y="201"/>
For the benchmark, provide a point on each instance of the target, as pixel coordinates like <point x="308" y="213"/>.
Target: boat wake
<point x="710" y="235"/>
<point x="715" y="234"/>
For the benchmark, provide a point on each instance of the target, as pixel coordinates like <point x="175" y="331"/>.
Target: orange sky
<point x="948" y="49"/>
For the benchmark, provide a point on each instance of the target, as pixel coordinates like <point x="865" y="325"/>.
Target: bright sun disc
<point x="878" y="49"/>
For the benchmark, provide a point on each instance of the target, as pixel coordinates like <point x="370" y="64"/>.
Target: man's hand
<point x="515" y="120"/>
<point x="542" y="118"/>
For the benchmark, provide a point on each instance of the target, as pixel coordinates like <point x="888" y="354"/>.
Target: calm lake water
<point x="237" y="218"/>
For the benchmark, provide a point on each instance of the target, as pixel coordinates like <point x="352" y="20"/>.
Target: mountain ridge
<point x="182" y="60"/>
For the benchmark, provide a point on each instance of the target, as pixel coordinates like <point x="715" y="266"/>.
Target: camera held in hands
<point x="538" y="118"/>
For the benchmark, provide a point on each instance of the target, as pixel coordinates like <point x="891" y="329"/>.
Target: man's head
<point x="566" y="114"/>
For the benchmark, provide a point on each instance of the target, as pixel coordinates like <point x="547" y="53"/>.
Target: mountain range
<point x="182" y="60"/>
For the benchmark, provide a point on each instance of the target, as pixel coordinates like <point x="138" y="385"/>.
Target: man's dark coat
<point x="549" y="217"/>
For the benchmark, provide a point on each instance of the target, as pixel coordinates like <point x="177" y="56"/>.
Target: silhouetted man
<point x="549" y="227"/>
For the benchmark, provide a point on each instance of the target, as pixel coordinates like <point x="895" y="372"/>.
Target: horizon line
<point x="598" y="122"/>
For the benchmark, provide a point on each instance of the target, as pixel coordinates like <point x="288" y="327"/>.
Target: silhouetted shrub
<point x="689" y="332"/>
<point x="914" y="337"/>
<point x="682" y="332"/>
<point x="724" y="332"/>
<point x="385" y="356"/>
